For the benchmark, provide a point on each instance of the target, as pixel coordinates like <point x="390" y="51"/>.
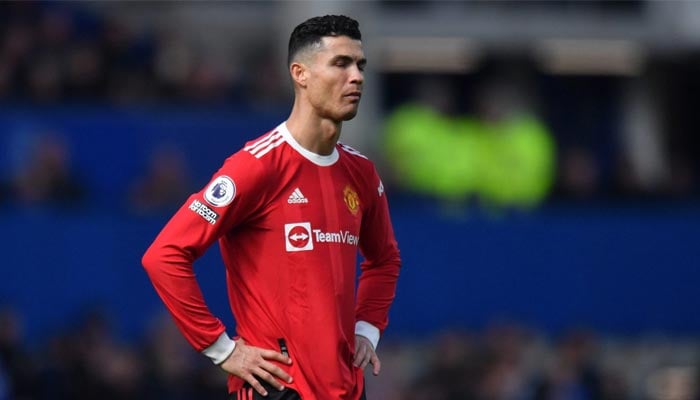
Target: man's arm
<point x="233" y="194"/>
<point x="169" y="264"/>
<point x="377" y="283"/>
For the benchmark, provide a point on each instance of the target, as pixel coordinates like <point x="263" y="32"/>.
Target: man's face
<point x="336" y="77"/>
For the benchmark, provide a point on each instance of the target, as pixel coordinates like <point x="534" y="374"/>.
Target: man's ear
<point x="299" y="73"/>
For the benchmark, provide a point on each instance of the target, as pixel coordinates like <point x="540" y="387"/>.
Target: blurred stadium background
<point x="541" y="158"/>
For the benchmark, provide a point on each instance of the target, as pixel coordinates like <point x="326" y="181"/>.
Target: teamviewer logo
<point x="298" y="236"/>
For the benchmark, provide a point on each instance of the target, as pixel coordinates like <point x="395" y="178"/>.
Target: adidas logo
<point x="297" y="197"/>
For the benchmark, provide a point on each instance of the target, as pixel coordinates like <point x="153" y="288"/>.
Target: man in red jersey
<point x="290" y="211"/>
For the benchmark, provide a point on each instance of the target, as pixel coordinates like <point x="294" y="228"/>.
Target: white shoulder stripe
<point x="265" y="139"/>
<point x="260" y="151"/>
<point x="351" y="150"/>
<point x="263" y="144"/>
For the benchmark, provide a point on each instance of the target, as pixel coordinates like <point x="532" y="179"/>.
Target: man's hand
<point x="250" y="363"/>
<point x="364" y="354"/>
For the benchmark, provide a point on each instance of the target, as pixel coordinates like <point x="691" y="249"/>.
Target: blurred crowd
<point x="90" y="362"/>
<point x="42" y="174"/>
<point x="503" y="362"/>
<point x="503" y="135"/>
<point x="499" y="153"/>
<point x="53" y="52"/>
<point x="509" y="135"/>
<point x="510" y="362"/>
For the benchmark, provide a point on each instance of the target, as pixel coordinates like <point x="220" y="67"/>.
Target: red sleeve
<point x="232" y="196"/>
<point x="380" y="268"/>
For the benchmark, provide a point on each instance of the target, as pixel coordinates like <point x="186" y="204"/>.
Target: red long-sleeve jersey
<point x="289" y="224"/>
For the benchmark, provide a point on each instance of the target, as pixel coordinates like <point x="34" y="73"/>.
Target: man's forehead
<point x="342" y="45"/>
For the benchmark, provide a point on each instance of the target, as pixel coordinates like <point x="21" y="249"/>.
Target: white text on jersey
<point x="344" y="237"/>
<point x="205" y="212"/>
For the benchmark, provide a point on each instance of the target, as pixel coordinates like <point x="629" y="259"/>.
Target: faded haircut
<point x="310" y="32"/>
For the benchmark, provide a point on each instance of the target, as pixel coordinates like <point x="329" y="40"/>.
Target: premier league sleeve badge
<point x="220" y="191"/>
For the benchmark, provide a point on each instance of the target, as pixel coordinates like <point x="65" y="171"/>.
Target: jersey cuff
<point x="221" y="349"/>
<point x="369" y="331"/>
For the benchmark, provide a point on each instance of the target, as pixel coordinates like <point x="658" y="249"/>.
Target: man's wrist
<point x="220" y="350"/>
<point x="371" y="332"/>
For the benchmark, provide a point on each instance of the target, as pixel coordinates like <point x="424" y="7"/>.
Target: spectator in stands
<point x="449" y="372"/>
<point x="579" y="174"/>
<point x="51" y="53"/>
<point x="47" y="178"/>
<point x="16" y="363"/>
<point x="517" y="147"/>
<point x="4" y="384"/>
<point x="171" y="365"/>
<point x="573" y="375"/>
<point x="165" y="185"/>
<point x="505" y="376"/>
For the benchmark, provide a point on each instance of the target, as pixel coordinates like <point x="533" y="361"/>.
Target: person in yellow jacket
<point x="506" y="162"/>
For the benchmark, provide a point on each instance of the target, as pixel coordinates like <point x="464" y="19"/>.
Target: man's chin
<point x="341" y="115"/>
<point x="349" y="115"/>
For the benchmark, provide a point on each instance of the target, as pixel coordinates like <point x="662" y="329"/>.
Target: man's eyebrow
<point x="346" y="58"/>
<point x="342" y="57"/>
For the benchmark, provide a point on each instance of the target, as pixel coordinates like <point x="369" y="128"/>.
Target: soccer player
<point x="290" y="211"/>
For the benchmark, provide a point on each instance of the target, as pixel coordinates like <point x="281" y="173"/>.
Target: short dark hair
<point x="311" y="31"/>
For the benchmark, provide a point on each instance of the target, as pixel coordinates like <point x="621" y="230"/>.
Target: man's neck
<point x="316" y="134"/>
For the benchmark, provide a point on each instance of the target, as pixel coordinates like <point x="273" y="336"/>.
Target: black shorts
<point x="248" y="393"/>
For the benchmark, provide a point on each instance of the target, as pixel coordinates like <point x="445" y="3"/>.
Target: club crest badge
<point x="352" y="200"/>
<point x="220" y="191"/>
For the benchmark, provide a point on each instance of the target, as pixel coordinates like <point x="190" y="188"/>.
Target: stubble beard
<point x="342" y="115"/>
<point x="350" y="115"/>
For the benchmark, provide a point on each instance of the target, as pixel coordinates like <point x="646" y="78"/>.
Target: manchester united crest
<point x="352" y="200"/>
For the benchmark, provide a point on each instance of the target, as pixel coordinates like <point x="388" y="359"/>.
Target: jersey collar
<point x="323" y="161"/>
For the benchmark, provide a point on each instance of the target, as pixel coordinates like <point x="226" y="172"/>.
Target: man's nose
<point x="357" y="76"/>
